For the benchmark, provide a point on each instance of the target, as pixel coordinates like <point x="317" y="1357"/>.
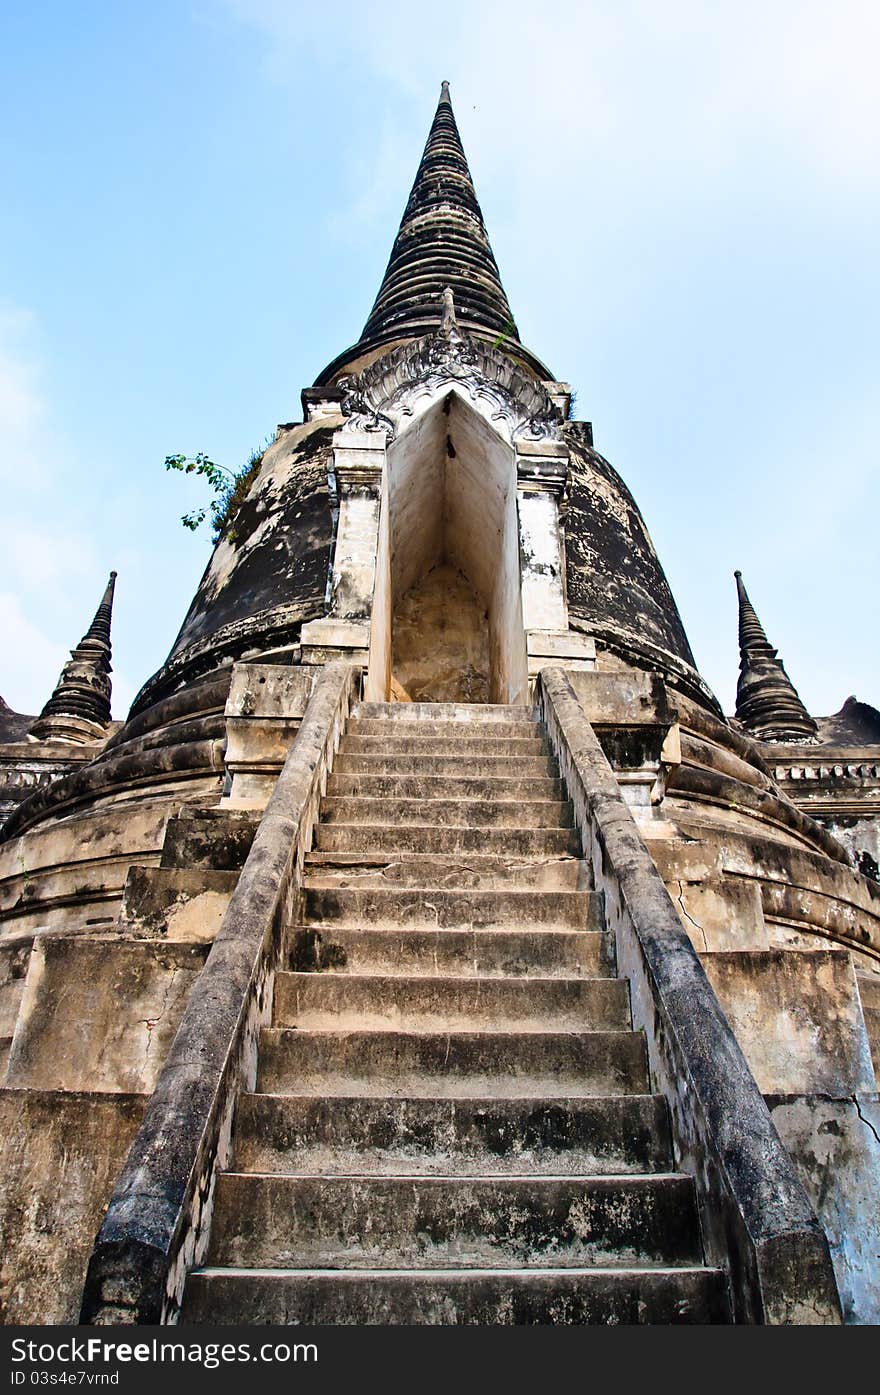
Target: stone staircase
<point x="453" y="1120"/>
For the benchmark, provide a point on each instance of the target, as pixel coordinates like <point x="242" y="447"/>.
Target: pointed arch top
<point x="391" y="393"/>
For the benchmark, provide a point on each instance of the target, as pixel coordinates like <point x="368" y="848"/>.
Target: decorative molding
<point x="386" y="394"/>
<point x="542" y="476"/>
<point x="860" y="770"/>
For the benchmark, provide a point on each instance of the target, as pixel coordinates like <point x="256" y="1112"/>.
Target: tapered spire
<point x="442" y="242"/>
<point x="767" y="702"/>
<point x="79" y="708"/>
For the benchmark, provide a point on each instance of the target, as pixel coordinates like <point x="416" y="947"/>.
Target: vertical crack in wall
<point x="688" y="916"/>
<point x="866" y="1122"/>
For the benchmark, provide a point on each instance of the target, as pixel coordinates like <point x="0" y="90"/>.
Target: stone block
<point x="268" y="691"/>
<point x="216" y="839"/>
<point x="250" y="793"/>
<point x="797" y="1017"/>
<point x="338" y="634"/>
<point x="544" y="450"/>
<point x="692" y="862"/>
<point x="720" y="914"/>
<point x="180" y="904"/>
<point x="14" y="959"/>
<point x="561" y="645"/>
<point x="331" y="641"/>
<point x="575" y="651"/>
<point x="835" y="1144"/>
<point x="264" y="712"/>
<point x="320" y="403"/>
<point x="60" y="1155"/>
<point x="316" y="656"/>
<point x="560" y="396"/>
<point x="100" y="1015"/>
<point x="84" y="858"/>
<point x="629" y="698"/>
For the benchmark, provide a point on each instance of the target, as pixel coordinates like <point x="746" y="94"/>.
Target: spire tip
<point x="79" y="708"/>
<point x="767" y="702"/>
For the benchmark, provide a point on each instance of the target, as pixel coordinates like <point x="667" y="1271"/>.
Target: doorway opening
<point x="447" y="610"/>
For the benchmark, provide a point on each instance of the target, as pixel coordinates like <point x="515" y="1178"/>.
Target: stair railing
<point x="757" y="1221"/>
<point x="157" y="1224"/>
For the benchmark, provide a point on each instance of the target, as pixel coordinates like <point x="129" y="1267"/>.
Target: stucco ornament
<point x="390" y="391"/>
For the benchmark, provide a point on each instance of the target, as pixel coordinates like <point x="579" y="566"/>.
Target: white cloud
<point x="35" y="661"/>
<point x="47" y="559"/>
<point x="376" y="187"/>
<point x="680" y="85"/>
<point x="21" y="404"/>
<point x="30" y="447"/>
<point x="38" y="660"/>
<point x="48" y="562"/>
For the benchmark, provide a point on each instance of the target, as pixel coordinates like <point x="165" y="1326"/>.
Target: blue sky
<point x="683" y="198"/>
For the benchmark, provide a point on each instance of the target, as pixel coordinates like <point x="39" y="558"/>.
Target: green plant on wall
<point x="230" y="489"/>
<point x="508" y="330"/>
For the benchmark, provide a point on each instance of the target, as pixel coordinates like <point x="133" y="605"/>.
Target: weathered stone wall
<point x="271" y="575"/>
<point x="616" y="587"/>
<point x="60" y="1153"/>
<point x="454" y="665"/>
<point x="97" y="958"/>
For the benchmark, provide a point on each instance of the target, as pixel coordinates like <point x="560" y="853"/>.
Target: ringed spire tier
<point x="767" y="702"/>
<point x="442" y="242"/>
<point x="79" y="708"/>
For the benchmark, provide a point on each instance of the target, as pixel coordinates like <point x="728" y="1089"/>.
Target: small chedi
<point x="427" y="946"/>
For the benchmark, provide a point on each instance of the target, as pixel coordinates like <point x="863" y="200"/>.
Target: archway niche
<point x="447" y="609"/>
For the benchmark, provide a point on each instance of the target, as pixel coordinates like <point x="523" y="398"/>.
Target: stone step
<point x="486" y="1298"/>
<point x="450" y="813"/>
<point x="471" y="766"/>
<point x="431" y="838"/>
<point x="421" y="787"/>
<point x="452" y="1065"/>
<point x="480" y="953"/>
<point x="467" y="713"/>
<point x="437" y="1222"/>
<point x="445" y="731"/>
<point x="429" y="1003"/>
<point x="455" y="873"/>
<point x="435" y="909"/>
<point x="489" y="1137"/>
<point x="479" y="748"/>
<point x="869" y="989"/>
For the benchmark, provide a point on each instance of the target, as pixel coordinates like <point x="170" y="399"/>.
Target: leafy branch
<point x="219" y="478"/>
<point x="230" y="489"/>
